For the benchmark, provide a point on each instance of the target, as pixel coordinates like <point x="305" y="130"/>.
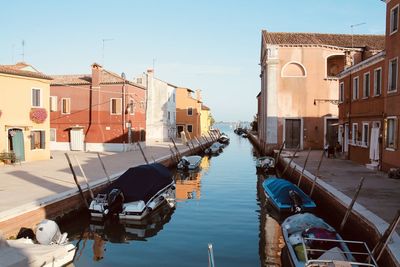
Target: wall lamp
<point x="332" y="101"/>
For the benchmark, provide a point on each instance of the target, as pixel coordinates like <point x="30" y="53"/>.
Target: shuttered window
<point x="391" y="132"/>
<point x="53" y="103"/>
<point x="116" y="106"/>
<point x="66" y="106"/>
<point x="36" y="98"/>
<point x="38" y="140"/>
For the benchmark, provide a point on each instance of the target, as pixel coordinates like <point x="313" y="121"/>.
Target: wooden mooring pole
<point x="84" y="176"/>
<point x="304" y="167"/>
<point x="141" y="150"/>
<point x="290" y="162"/>
<point x="349" y="209"/>
<point x="76" y="181"/>
<point x="176" y="148"/>
<point x="200" y="144"/>
<point x="316" y="176"/>
<point x="382" y="243"/>
<point x="279" y="154"/>
<point x="104" y="168"/>
<point x="173" y="154"/>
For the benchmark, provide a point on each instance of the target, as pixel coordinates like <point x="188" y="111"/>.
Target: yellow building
<point x="24" y="112"/>
<point x="205" y="120"/>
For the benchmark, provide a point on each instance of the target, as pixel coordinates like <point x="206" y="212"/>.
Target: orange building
<point x="188" y="112"/>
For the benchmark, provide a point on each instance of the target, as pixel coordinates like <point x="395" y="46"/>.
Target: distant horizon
<point x="207" y="45"/>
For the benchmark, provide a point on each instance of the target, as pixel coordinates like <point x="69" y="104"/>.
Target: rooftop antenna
<point x="104" y="40"/>
<point x="352" y="26"/>
<point x="23" y="51"/>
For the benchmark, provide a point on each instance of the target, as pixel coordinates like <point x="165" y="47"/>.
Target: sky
<point x="211" y="45"/>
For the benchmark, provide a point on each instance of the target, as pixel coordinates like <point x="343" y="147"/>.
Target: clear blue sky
<point x="209" y="45"/>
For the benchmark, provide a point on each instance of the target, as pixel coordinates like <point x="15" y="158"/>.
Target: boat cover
<point x="300" y="222"/>
<point x="280" y="189"/>
<point x="142" y="182"/>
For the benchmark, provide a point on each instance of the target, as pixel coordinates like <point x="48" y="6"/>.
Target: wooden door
<point x="76" y="139"/>
<point x="17" y="143"/>
<point x="332" y="132"/>
<point x="292" y="133"/>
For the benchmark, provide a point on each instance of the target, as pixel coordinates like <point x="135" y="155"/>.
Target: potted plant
<point x="38" y="115"/>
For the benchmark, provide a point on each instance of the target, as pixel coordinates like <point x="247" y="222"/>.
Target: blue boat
<point x="285" y="196"/>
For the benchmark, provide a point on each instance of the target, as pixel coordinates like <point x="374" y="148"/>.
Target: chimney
<point x="198" y="94"/>
<point x="150" y="73"/>
<point x="96" y="74"/>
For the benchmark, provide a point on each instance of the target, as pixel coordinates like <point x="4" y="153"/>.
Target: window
<point x="65" y="105"/>
<point x="37" y="140"/>
<point x="116" y="106"/>
<point x="53" y="134"/>
<point x="142" y="135"/>
<point x="189" y="128"/>
<point x="173" y="97"/>
<point x="53" y="103"/>
<point x="36" y="98"/>
<point x="391" y="132"/>
<point x="366" y="85"/>
<point x="392" y="75"/>
<point x="355" y="88"/>
<point x="394" y="19"/>
<point x="131" y="107"/>
<point x="169" y="116"/>
<point x="341" y="92"/>
<point x="190" y="111"/>
<point x="365" y="134"/>
<point x="293" y="69"/>
<point x="377" y="81"/>
<point x="354" y="134"/>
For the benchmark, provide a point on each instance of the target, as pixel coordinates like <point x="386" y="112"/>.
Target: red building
<point x="368" y="94"/>
<point x="101" y="111"/>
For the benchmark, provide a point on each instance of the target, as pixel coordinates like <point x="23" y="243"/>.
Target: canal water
<point x="219" y="205"/>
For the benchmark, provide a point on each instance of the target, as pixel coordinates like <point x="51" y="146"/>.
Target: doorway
<point x="180" y="129"/>
<point x="76" y="139"/>
<point x="292" y="133"/>
<point x="346" y="138"/>
<point x="16" y="143"/>
<point x="331" y="132"/>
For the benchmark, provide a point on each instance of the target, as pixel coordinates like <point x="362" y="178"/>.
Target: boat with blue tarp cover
<point x="135" y="193"/>
<point x="286" y="196"/>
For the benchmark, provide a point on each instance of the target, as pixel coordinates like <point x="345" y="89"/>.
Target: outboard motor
<point x="115" y="201"/>
<point x="185" y="163"/>
<point x="297" y="202"/>
<point x="48" y="233"/>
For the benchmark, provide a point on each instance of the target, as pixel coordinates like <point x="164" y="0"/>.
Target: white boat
<point x="189" y="163"/>
<point x="311" y="242"/>
<point x="224" y="138"/>
<point x="265" y="164"/>
<point x="214" y="149"/>
<point x="135" y="193"/>
<point x="53" y="249"/>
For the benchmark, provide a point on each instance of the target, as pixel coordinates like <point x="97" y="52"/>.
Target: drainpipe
<point x="123" y="105"/>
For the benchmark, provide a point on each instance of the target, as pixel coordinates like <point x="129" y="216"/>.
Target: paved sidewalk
<point x="379" y="194"/>
<point x="32" y="184"/>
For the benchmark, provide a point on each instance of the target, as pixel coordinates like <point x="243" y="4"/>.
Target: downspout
<point x="123" y="106"/>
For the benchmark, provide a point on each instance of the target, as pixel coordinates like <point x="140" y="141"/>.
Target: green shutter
<point x="32" y="141"/>
<point x="42" y="140"/>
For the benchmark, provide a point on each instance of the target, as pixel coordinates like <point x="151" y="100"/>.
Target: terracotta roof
<point x="17" y="70"/>
<point x="374" y="42"/>
<point x="204" y="107"/>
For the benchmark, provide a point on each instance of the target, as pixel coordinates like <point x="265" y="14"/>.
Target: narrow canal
<point x="218" y="205"/>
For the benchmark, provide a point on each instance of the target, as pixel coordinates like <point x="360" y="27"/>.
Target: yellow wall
<point x="16" y="104"/>
<point x="204" y="121"/>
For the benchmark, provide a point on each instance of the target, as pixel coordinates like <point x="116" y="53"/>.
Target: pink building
<point x="101" y="111"/>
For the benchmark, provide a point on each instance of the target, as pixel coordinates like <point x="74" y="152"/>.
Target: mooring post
<point x="279" y="154"/>
<point x="176" y="148"/>
<point x="84" y="176"/>
<point x="319" y="163"/>
<point x="304" y="167"/>
<point x="175" y="156"/>
<point x="290" y="161"/>
<point x="381" y="245"/>
<point x="104" y="168"/>
<point x="76" y="180"/>
<point x="293" y="169"/>
<point x="141" y="150"/>
<point x="210" y="256"/>
<point x="200" y="144"/>
<point x="349" y="209"/>
<point x="313" y="185"/>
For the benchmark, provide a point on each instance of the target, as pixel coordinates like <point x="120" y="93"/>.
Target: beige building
<point x="299" y="88"/>
<point x="205" y="119"/>
<point x="24" y="112"/>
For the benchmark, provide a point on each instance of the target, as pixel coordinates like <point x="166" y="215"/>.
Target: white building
<point x="161" y="108"/>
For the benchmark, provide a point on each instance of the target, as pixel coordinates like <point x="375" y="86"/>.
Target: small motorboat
<point x="224" y="139"/>
<point x="311" y="242"/>
<point x="214" y="149"/>
<point x="135" y="193"/>
<point x="189" y="163"/>
<point x="285" y="196"/>
<point x="244" y="135"/>
<point x="265" y="164"/>
<point x="51" y="249"/>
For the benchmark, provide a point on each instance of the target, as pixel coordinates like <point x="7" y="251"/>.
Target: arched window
<point x="293" y="69"/>
<point x="334" y="65"/>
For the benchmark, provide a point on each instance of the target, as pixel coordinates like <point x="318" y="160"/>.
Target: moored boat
<point x="265" y="164"/>
<point x="224" y="139"/>
<point x="214" y="149"/>
<point x="311" y="242"/>
<point x="285" y="196"/>
<point x="189" y="162"/>
<point x="135" y="193"/>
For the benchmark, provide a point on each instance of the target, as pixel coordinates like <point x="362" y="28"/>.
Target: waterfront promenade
<point x="28" y="186"/>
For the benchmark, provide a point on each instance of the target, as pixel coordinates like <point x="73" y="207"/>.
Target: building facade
<point x="188" y="112"/>
<point x="161" y="107"/>
<point x="24" y="112"/>
<point x="369" y="109"/>
<point x="205" y="120"/>
<point x="299" y="87"/>
<point x="101" y="111"/>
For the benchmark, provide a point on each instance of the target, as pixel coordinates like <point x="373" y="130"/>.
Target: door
<point x="292" y="133"/>
<point x="331" y="132"/>
<point x="346" y="138"/>
<point x="76" y="139"/>
<point x="17" y="143"/>
<point x="180" y="129"/>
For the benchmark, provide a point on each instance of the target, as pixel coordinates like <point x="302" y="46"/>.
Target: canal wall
<point x="332" y="204"/>
<point x="61" y="204"/>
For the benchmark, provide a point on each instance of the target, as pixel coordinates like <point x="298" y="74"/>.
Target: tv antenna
<point x="105" y="40"/>
<point x="23" y="50"/>
<point x="352" y="34"/>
